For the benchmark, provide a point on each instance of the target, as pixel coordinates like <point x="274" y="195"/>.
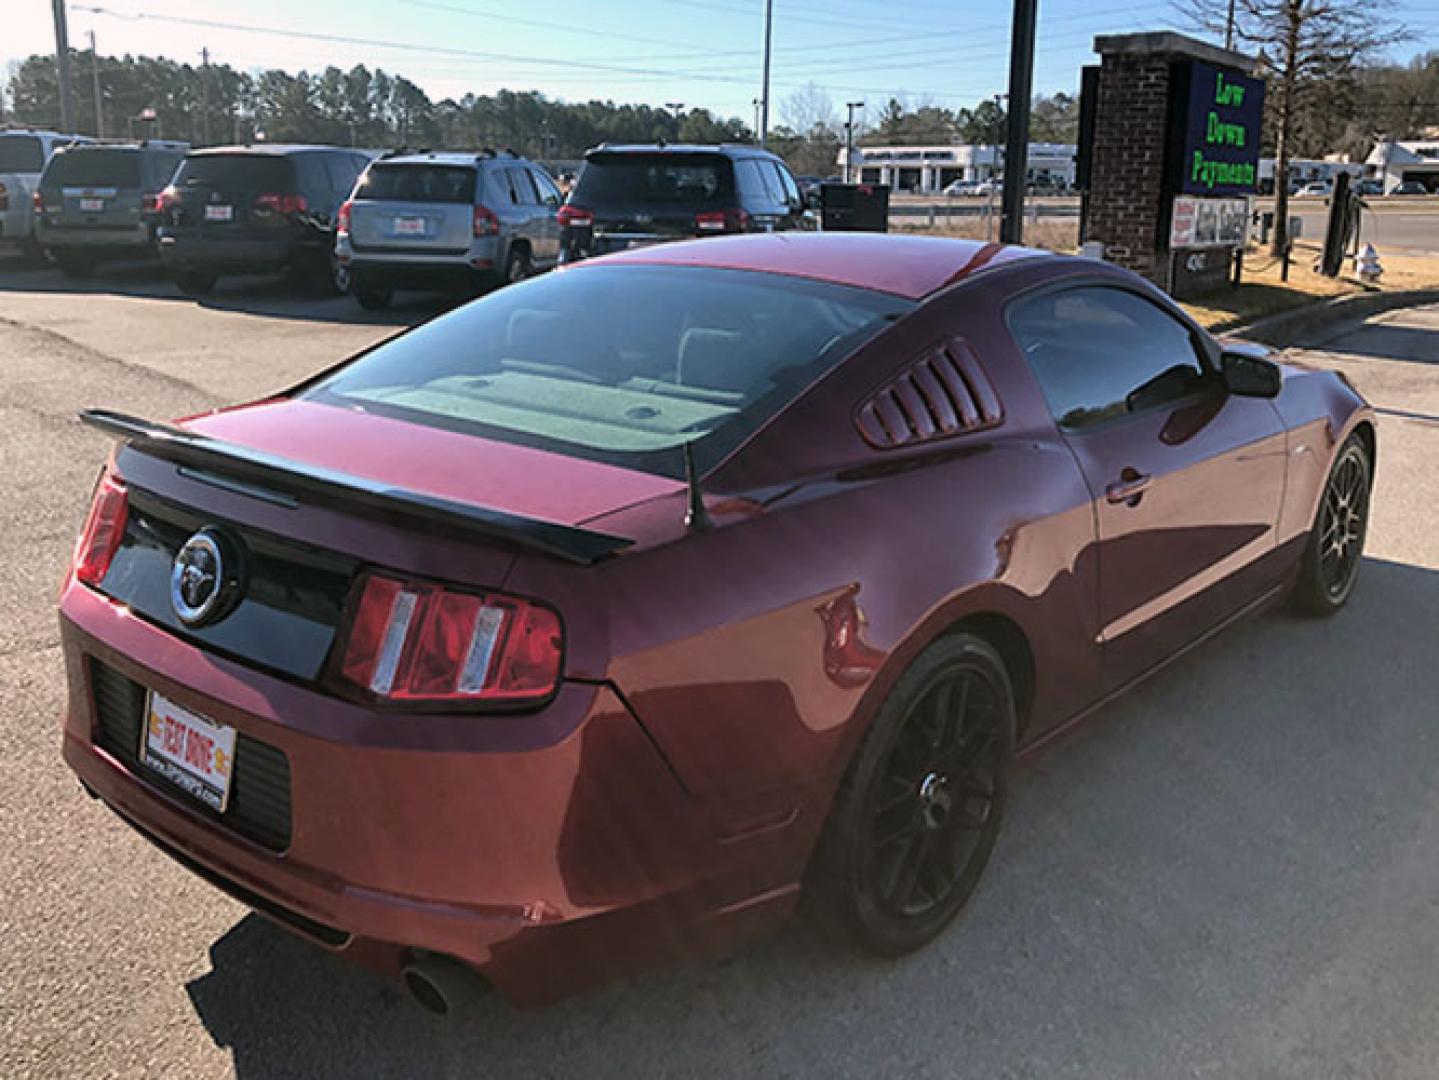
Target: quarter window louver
<point x="945" y="392"/>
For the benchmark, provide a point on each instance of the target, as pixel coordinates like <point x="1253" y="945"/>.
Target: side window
<point x="752" y="188"/>
<point x="523" y="187"/>
<point x="1101" y="353"/>
<point x="789" y="188"/>
<point x="497" y="191"/>
<point x="549" y="194"/>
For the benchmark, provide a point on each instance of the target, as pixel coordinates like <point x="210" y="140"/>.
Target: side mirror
<point x="1247" y="375"/>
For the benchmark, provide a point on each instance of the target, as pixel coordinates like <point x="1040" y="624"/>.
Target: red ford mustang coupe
<point x="596" y="621"/>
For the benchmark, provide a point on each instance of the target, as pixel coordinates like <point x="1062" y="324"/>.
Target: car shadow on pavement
<point x="1230" y="871"/>
<point x="269" y="295"/>
<point x="1386" y="341"/>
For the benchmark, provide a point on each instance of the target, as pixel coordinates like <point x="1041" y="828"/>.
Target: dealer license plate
<point x="219" y="213"/>
<point x="189" y="750"/>
<point x="92" y="206"/>
<point x="409" y="226"/>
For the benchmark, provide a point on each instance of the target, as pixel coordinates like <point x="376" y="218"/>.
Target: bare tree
<point x="1303" y="45"/>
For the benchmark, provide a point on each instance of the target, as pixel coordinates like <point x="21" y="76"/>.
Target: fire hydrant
<point x="1366" y="264"/>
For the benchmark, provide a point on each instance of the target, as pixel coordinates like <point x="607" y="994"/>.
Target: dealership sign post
<point x="1169" y="157"/>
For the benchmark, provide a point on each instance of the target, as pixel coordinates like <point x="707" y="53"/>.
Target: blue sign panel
<point x="1221" y="115"/>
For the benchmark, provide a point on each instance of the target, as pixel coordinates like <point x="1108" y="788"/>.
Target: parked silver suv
<point x="438" y="220"/>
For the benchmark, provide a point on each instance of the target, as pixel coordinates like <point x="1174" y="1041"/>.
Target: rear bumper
<point x="140" y="237"/>
<point x="402" y="268"/>
<point x="548" y="867"/>
<point x="17" y="223"/>
<point x="226" y="254"/>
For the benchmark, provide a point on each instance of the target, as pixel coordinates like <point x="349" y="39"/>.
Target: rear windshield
<point x="619" y="364"/>
<point x="419" y="183"/>
<point x="21" y="153"/>
<point x="655" y="179"/>
<point x="93" y="168"/>
<point x="243" y="172"/>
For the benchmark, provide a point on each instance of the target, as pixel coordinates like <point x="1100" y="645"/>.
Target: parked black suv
<point x="252" y="209"/>
<point x="629" y="196"/>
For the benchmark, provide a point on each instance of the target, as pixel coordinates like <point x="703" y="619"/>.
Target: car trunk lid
<point x="415" y="209"/>
<point x="228" y="194"/>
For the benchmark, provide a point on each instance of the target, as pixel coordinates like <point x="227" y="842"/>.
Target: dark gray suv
<point x="445" y="220"/>
<point x="103" y="201"/>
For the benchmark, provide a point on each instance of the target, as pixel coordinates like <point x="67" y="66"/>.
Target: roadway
<point x="1231" y="873"/>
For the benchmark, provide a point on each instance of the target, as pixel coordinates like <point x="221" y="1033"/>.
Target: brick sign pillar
<point x="1133" y="151"/>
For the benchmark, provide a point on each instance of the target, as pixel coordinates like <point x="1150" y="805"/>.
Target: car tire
<point x="195" y="282"/>
<point x="519" y="264"/>
<point x="1335" y="548"/>
<point x="919" y="810"/>
<point x="32" y="251"/>
<point x="75" y="264"/>
<point x="371" y="295"/>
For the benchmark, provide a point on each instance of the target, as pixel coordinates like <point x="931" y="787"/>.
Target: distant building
<point x="1308" y="170"/>
<point x="1394" y="163"/>
<point x="930" y="169"/>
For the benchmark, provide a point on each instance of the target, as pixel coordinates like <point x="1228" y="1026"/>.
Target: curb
<point x="1289" y="327"/>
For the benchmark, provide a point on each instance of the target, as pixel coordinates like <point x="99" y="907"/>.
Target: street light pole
<point x="850" y="106"/>
<point x="764" y="88"/>
<point x="95" y="77"/>
<point x="1021" y="89"/>
<point x="62" y="69"/>
<point x="756" y="103"/>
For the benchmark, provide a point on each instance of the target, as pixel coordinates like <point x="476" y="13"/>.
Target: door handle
<point x="1129" y="488"/>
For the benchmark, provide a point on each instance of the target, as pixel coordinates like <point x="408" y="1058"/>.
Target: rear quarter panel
<point x="756" y="653"/>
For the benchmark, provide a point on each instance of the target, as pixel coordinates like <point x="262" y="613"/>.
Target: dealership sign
<point x="1202" y="223"/>
<point x="1217" y="120"/>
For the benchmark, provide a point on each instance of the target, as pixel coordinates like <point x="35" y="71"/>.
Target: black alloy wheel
<point x="1330" y="565"/>
<point x="920" y="811"/>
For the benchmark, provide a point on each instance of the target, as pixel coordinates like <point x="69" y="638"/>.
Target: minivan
<point x="102" y="201"/>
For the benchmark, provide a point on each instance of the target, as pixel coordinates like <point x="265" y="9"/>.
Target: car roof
<point x="908" y="266"/>
<point x="471" y="158"/>
<point x="272" y="149"/>
<point x="727" y="149"/>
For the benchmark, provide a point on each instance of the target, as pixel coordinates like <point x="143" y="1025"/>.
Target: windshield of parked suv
<point x="419" y="183"/>
<point x="21" y="153"/>
<point x="621" y="364"/>
<point x="244" y="172"/>
<point x="627" y="178"/>
<point x="90" y="168"/>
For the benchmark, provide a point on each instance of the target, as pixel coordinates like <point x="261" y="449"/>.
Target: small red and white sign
<point x="219" y="212"/>
<point x="191" y="751"/>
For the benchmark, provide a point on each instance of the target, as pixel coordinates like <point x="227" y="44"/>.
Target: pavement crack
<point x="89" y="352"/>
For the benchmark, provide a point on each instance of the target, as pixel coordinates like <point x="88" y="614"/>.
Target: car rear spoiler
<point x="580" y="546"/>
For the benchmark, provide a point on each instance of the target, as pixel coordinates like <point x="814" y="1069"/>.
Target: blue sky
<point x="696" y="52"/>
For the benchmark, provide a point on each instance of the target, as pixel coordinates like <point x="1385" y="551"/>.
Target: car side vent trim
<point x="945" y="392"/>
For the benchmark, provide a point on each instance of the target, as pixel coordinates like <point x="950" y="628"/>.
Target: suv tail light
<point x="415" y="642"/>
<point x="576" y="216"/>
<point x="281" y="204"/>
<point x="342" y="219"/>
<point x="38" y="201"/>
<point x="486" y="224"/>
<point x="721" y="221"/>
<point x="104" y="528"/>
<point x="4" y="197"/>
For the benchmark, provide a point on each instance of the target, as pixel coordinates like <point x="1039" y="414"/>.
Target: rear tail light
<point x="486" y="224"/>
<point x="419" y="643"/>
<point x="159" y="202"/>
<point x="576" y="216"/>
<point x="4" y="197"/>
<point x="281" y="204"/>
<point x="342" y="219"/>
<point x="104" y="529"/>
<point x="38" y="201"/>
<point x="721" y="221"/>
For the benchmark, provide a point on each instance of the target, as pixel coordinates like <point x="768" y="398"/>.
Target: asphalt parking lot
<point x="1234" y="872"/>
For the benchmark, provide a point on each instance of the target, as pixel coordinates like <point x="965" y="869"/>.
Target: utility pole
<point x="756" y="104"/>
<point x="1021" y="89"/>
<point x="95" y="77"/>
<point x="850" y="106"/>
<point x="764" y="89"/>
<point x="1229" y="27"/>
<point x="205" y="96"/>
<point x="62" y="69"/>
